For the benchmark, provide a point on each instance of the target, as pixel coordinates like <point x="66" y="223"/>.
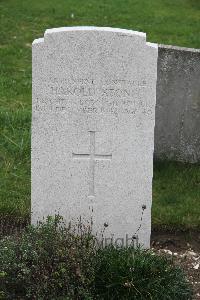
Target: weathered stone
<point x="177" y="127"/>
<point x="94" y="93"/>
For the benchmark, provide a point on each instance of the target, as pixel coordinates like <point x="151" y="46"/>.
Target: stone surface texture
<point x="177" y="126"/>
<point x="94" y="95"/>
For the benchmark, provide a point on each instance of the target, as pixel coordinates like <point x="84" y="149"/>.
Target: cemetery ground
<point x="176" y="196"/>
<point x="176" y="186"/>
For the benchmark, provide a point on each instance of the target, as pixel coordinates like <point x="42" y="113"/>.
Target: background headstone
<point x="177" y="118"/>
<point x="94" y="94"/>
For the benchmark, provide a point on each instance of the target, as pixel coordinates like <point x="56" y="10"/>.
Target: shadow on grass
<point x="12" y="225"/>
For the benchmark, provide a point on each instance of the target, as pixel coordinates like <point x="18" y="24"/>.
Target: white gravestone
<point x="94" y="95"/>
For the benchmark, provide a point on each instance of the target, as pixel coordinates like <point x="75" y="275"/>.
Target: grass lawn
<point x="176" y="188"/>
<point x="176" y="195"/>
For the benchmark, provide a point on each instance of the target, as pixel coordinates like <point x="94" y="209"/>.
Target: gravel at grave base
<point x="185" y="251"/>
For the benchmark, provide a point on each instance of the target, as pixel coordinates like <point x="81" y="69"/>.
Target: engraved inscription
<point x="73" y="91"/>
<point x="110" y="96"/>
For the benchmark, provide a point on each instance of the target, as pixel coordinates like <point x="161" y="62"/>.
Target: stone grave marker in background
<point x="94" y="95"/>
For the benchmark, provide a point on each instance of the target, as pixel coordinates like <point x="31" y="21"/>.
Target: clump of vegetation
<point x="47" y="261"/>
<point x="52" y="261"/>
<point x="127" y="273"/>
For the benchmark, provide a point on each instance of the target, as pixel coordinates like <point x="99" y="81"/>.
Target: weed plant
<point x="54" y="261"/>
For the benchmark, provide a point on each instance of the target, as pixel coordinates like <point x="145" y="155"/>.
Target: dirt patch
<point x="10" y="225"/>
<point x="184" y="249"/>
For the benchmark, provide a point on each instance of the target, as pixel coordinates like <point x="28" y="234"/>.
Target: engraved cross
<point x="92" y="157"/>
